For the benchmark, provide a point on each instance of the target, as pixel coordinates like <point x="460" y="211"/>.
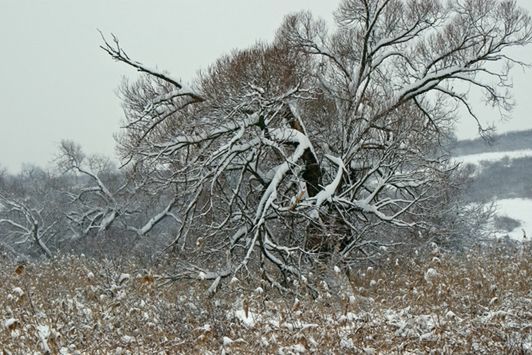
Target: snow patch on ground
<point x="519" y="209"/>
<point x="246" y="317"/>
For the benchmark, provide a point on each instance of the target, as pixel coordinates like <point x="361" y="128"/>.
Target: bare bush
<point x="445" y="304"/>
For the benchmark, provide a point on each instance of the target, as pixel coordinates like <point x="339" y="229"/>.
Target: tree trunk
<point x="40" y="243"/>
<point x="312" y="174"/>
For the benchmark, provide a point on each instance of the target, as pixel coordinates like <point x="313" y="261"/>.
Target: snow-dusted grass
<point x="478" y="303"/>
<point x="519" y="209"/>
<point x="493" y="156"/>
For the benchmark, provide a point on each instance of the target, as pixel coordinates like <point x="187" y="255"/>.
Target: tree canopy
<point x="322" y="142"/>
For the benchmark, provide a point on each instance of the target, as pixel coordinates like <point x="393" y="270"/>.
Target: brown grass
<point x="479" y="302"/>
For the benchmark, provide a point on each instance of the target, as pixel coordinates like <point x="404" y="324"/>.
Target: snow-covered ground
<point x="519" y="209"/>
<point x="493" y="156"/>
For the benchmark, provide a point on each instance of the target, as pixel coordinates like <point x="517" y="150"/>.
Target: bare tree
<point x="286" y="151"/>
<point x="103" y="197"/>
<point x="24" y="224"/>
<point x="31" y="211"/>
<point x="102" y="208"/>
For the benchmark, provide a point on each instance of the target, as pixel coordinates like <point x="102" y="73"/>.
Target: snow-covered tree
<point x="105" y="198"/>
<point x="32" y="211"/>
<point x="304" y="146"/>
<point x="22" y="224"/>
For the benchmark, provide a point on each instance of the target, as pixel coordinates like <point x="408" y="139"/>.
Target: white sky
<point x="55" y="82"/>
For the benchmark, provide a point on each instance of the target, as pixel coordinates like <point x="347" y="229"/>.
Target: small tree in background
<point x="103" y="201"/>
<point x="31" y="215"/>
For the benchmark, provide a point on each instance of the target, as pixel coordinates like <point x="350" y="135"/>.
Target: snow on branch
<point x="26" y="221"/>
<point x="308" y="145"/>
<point x="328" y="191"/>
<point x="117" y="53"/>
<point x="269" y="196"/>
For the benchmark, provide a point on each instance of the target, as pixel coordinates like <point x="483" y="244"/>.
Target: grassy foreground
<point x="475" y="303"/>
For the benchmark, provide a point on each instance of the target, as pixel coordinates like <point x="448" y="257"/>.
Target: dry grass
<point x="475" y="303"/>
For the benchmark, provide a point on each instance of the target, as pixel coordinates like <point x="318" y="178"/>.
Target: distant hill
<point x="517" y="140"/>
<point x="500" y="169"/>
<point x="505" y="178"/>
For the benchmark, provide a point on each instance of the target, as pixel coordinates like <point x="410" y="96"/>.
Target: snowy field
<point x="493" y="156"/>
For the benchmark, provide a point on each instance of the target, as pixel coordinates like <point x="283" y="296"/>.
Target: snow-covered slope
<point x="519" y="209"/>
<point x="493" y="156"/>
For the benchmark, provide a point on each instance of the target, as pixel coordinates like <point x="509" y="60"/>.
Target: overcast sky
<point x="55" y="82"/>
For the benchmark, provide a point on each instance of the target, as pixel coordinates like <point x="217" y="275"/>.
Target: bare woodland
<point x="323" y="147"/>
